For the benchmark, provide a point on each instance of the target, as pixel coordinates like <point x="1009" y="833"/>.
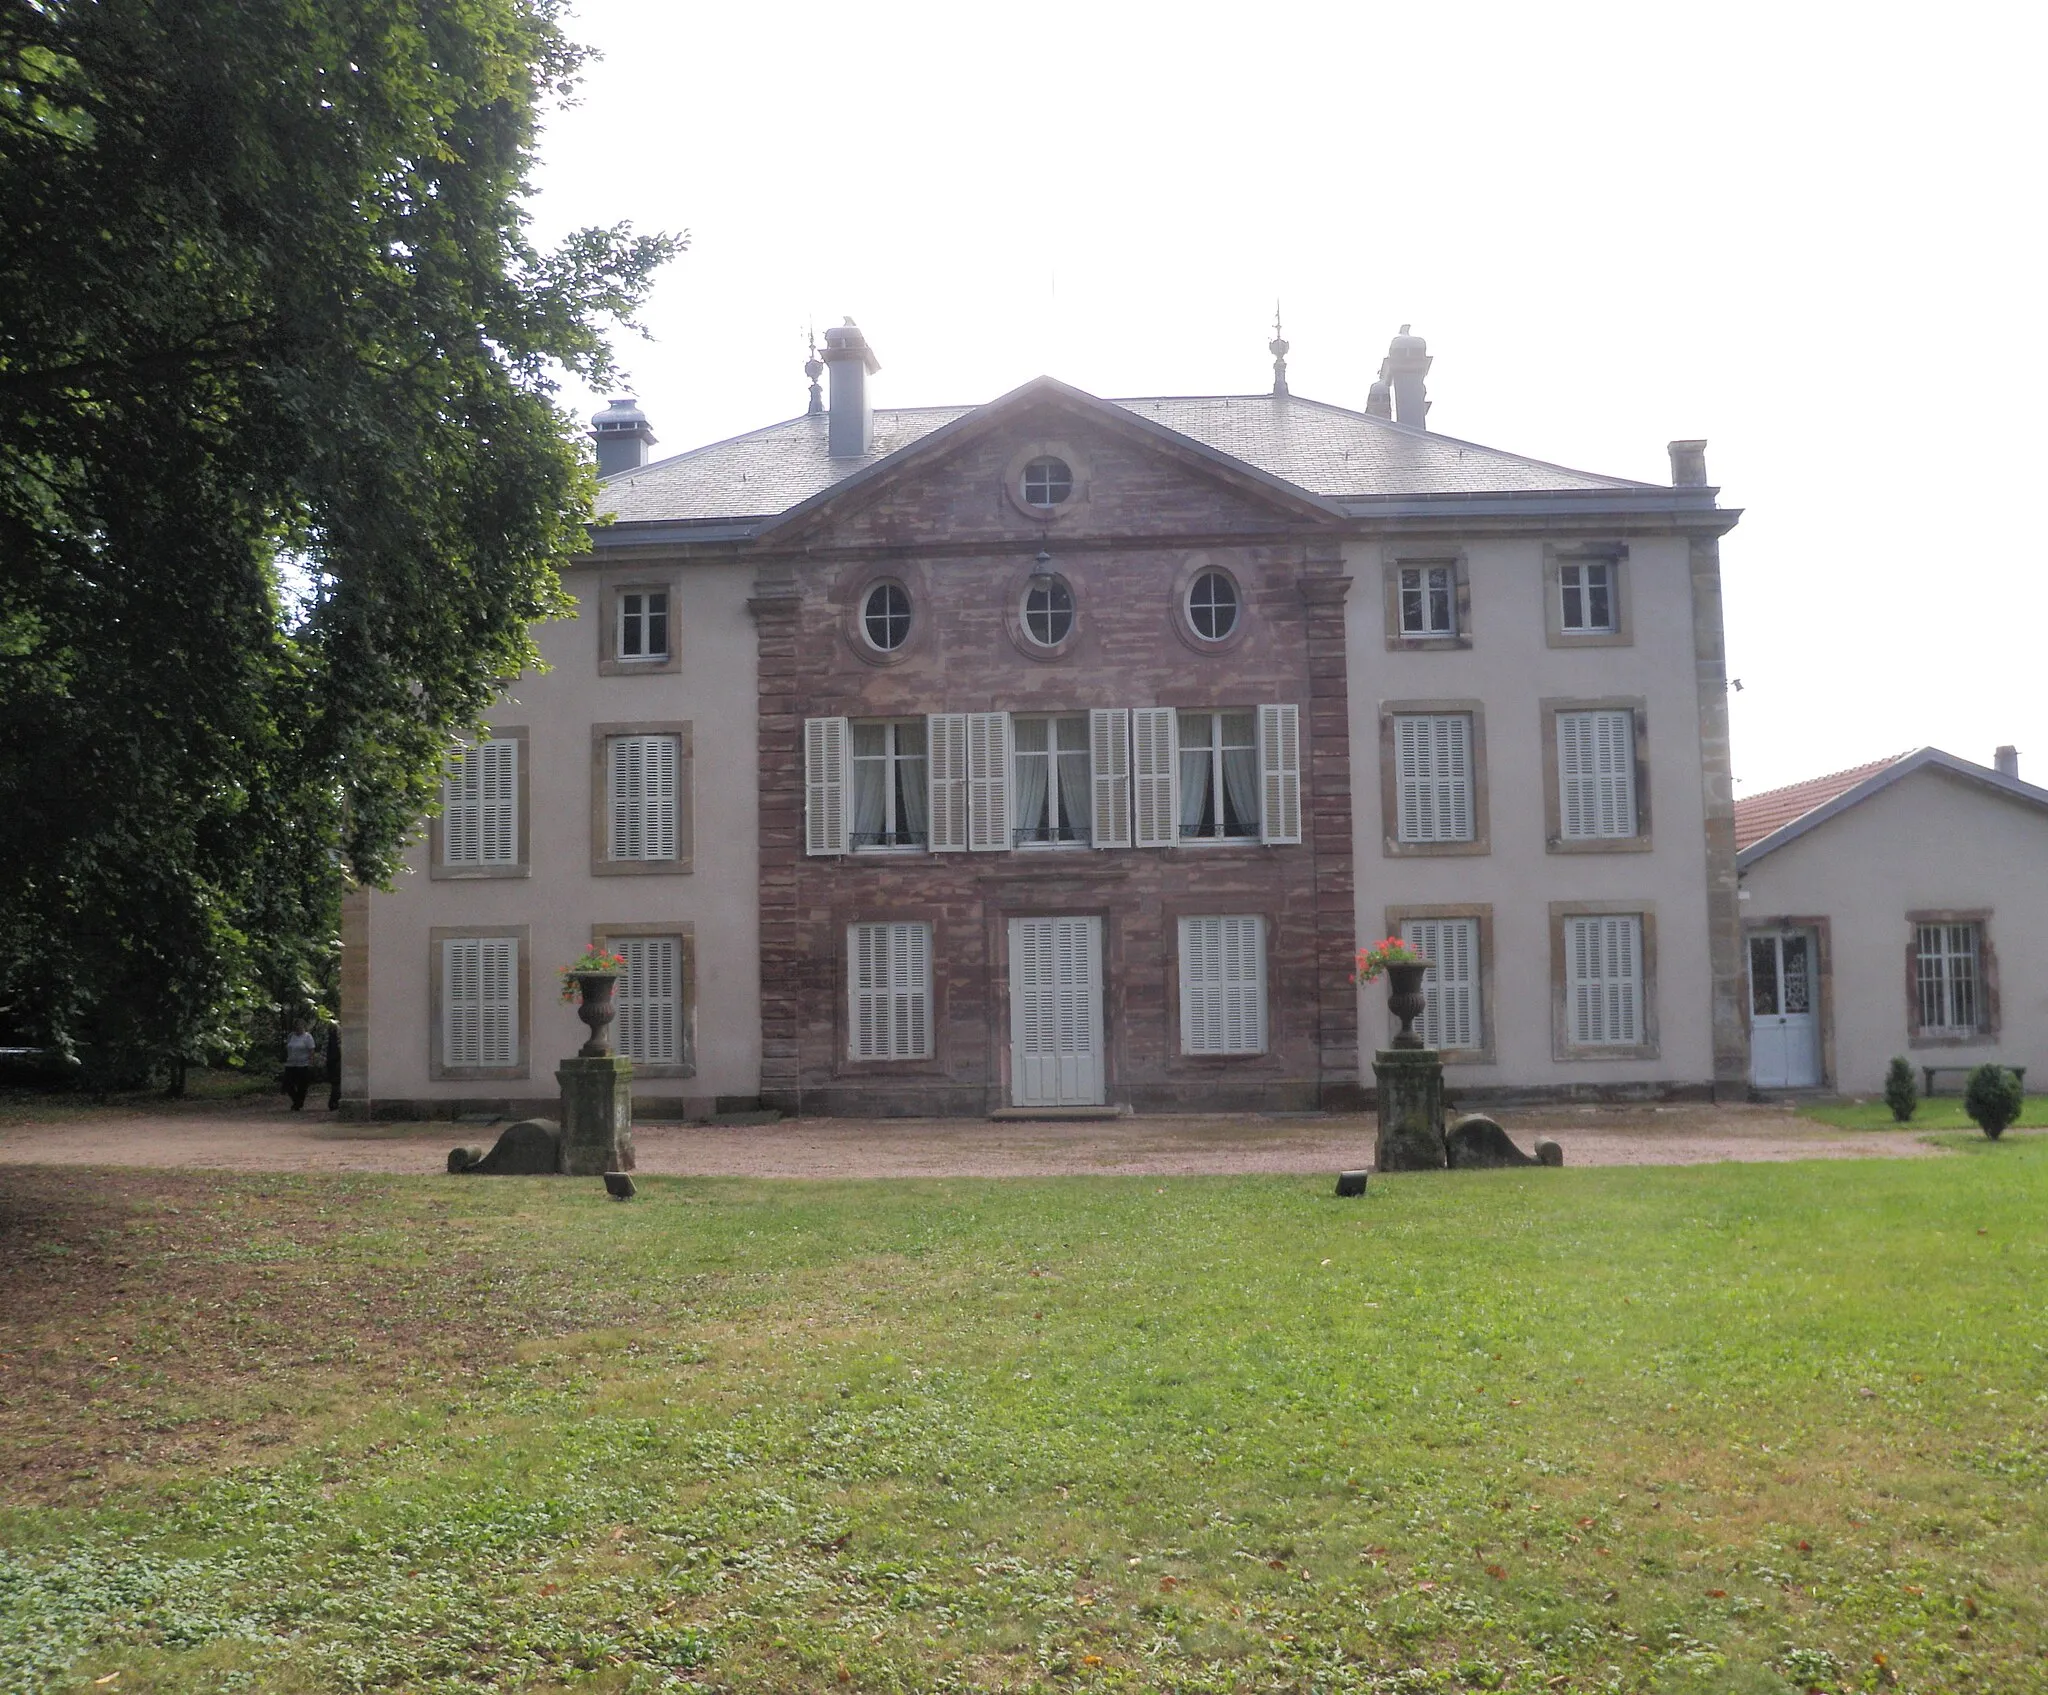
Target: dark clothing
<point x="333" y="1067"/>
<point x="297" y="1078"/>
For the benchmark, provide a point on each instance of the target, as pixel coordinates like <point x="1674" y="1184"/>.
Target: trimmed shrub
<point x="1900" y="1094"/>
<point x="1993" y="1099"/>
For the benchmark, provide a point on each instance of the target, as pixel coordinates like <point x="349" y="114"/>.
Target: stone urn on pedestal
<point x="1409" y="1076"/>
<point x="1406" y="1001"/>
<point x="597" y="1085"/>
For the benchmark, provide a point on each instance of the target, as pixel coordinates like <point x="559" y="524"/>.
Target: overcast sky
<point x="1809" y="233"/>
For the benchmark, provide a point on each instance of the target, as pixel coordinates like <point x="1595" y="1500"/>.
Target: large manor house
<point x="1056" y="754"/>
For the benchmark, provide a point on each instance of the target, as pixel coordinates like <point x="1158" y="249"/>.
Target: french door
<point x="1056" y="1012"/>
<point x="1784" y="1045"/>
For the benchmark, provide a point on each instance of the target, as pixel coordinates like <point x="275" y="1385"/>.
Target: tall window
<point x="1052" y="799"/>
<point x="1604" y="979"/>
<point x="480" y="805"/>
<point x="649" y="1030"/>
<point x="1048" y="610"/>
<point x="889" y="985"/>
<point x="1428" y="601"/>
<point x="1949" y="975"/>
<point x="643" y="624"/>
<point x="1433" y="777"/>
<point x="1587" y="590"/>
<point x="1222" y="985"/>
<point x="1219" y="775"/>
<point x="1451" y="1017"/>
<point x="890" y="800"/>
<point x="1596" y="774"/>
<point x="479" y="1010"/>
<point x="641" y="809"/>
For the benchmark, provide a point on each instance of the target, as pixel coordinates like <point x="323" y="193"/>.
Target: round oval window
<point x="1212" y="606"/>
<point x="1047" y="482"/>
<point x="886" y="616"/>
<point x="1048" y="611"/>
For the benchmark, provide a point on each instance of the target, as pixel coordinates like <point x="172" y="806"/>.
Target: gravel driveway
<point x="272" y="1138"/>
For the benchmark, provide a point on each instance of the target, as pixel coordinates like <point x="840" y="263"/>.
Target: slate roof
<point x="1321" y="449"/>
<point x="1801" y="807"/>
<point x="1756" y="816"/>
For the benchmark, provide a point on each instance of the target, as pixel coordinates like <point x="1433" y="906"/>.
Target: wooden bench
<point x="1930" y="1072"/>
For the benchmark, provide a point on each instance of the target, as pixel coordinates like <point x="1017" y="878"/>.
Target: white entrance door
<point x="1784" y="1052"/>
<point x="1056" y="1011"/>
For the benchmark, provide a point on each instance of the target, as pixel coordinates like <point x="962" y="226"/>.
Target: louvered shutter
<point x="1222" y="985"/>
<point x="479" y="1012"/>
<point x="946" y="764"/>
<point x="461" y="1002"/>
<point x="462" y="809"/>
<point x="1604" y="957"/>
<point x="1280" y="773"/>
<point x="626" y="837"/>
<point x="1155" y="776"/>
<point x="988" y="781"/>
<point x="828" y="757"/>
<point x="650" y="1000"/>
<point x="643" y="773"/>
<point x="1451" y="1019"/>
<point x="497" y="802"/>
<point x="1433" y="777"/>
<point x="889" y="975"/>
<point x="1109" y="767"/>
<point x="1596" y="774"/>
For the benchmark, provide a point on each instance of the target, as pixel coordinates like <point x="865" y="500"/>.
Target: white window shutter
<point x="625" y="799"/>
<point x="1451" y="1017"/>
<point x="1280" y="773"/>
<point x="1155" y="776"/>
<point x="1222" y="985"/>
<point x="828" y="757"/>
<point x="889" y="983"/>
<point x="946" y="768"/>
<point x="462" y="812"/>
<point x="1604" y="958"/>
<point x="988" y="781"/>
<point x="1614" y="762"/>
<point x="1109" y="765"/>
<point x="650" y="999"/>
<point x="659" y="756"/>
<point x="1596" y="774"/>
<point x="460" y="1005"/>
<point x="1433" y="777"/>
<point x="498" y="963"/>
<point x="497" y="796"/>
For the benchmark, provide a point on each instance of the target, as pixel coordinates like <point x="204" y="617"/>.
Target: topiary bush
<point x="1899" y="1091"/>
<point x="1993" y="1099"/>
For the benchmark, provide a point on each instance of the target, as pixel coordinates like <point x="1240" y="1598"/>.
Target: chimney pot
<point x="622" y="435"/>
<point x="849" y="362"/>
<point x="1688" y="464"/>
<point x="2007" y="761"/>
<point x="1401" y="373"/>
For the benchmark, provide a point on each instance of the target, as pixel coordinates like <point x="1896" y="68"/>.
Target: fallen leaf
<point x="1806" y="1547"/>
<point x="839" y="1541"/>
<point x="845" y="1676"/>
<point x="1169" y="1583"/>
<point x="102" y="1682"/>
<point x="1277" y="1565"/>
<point x="1970" y="1605"/>
<point x="1497" y="1573"/>
<point x="1603" y="1553"/>
<point x="1425" y="1586"/>
<point x="1717" y="1594"/>
<point x="1585" y="1524"/>
<point x="1915" y="1589"/>
<point x="1326" y="1262"/>
<point x="1514" y="1403"/>
<point x="1091" y="1659"/>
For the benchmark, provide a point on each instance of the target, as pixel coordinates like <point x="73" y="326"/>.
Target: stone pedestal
<point x="1411" y="1091"/>
<point x="597" y="1115"/>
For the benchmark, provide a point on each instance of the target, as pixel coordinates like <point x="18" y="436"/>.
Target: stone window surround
<point x="615" y="581"/>
<point x="1013" y="611"/>
<point x="685" y="934"/>
<point x="1048" y="448"/>
<point x="1988" y="1010"/>
<point x="1615" y="554"/>
<point x="1390" y="782"/>
<point x="1553" y="794"/>
<point x="851" y="591"/>
<point x="1177" y="1063"/>
<point x="1823" y="979"/>
<point x="1460" y="633"/>
<point x="601" y="862"/>
<point x="438" y="1069"/>
<point x="884" y="910"/>
<point x="1183" y="625"/>
<point x="1562" y="1047"/>
<point x="438" y="868"/>
<point x="1482" y="914"/>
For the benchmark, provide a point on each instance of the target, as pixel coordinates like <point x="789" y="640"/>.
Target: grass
<point x="1937" y="1112"/>
<point x="1728" y="1428"/>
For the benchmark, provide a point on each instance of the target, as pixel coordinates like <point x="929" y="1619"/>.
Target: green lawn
<point x="1940" y="1112"/>
<point x="1733" y="1428"/>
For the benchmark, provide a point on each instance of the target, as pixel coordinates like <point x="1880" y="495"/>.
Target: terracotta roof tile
<point x="1757" y="816"/>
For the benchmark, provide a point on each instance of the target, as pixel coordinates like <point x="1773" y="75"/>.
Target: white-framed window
<point x="1222" y="985"/>
<point x="890" y="796"/>
<point x="1949" y="977"/>
<point x="1212" y="606"/>
<point x="1433" y="777"/>
<point x="1596" y="774"/>
<point x="889" y="989"/>
<point x="643" y="623"/>
<point x="479" y="1001"/>
<point x="1047" y="481"/>
<point x="649" y="1026"/>
<point x="885" y="617"/>
<point x="1452" y="1015"/>
<point x="1051" y="801"/>
<point x="1429" y="601"/>
<point x="1048" y="610"/>
<point x="1219" y="775"/>
<point x="480" y="804"/>
<point x="641" y="808"/>
<point x="1586" y="595"/>
<point x="1604" y="979"/>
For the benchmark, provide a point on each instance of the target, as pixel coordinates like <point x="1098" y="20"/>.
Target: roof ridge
<point x="1868" y="766"/>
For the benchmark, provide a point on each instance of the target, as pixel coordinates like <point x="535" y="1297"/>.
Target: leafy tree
<point x="1993" y="1099"/>
<point x="283" y="478"/>
<point x="1900" y="1092"/>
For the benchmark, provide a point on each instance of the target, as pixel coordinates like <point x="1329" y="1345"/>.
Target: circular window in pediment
<point x="885" y="617"/>
<point x="1212" y="605"/>
<point x="1048" y="482"/>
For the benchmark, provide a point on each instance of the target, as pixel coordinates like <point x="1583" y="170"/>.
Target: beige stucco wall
<point x="713" y="689"/>
<point x="1929" y="842"/>
<point x="1509" y="669"/>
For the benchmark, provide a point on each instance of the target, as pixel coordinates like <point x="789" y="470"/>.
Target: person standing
<point x="334" y="1066"/>
<point x="298" y="1064"/>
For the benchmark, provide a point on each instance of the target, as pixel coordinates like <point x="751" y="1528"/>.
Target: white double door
<point x="1784" y="1049"/>
<point x="1056" y="1012"/>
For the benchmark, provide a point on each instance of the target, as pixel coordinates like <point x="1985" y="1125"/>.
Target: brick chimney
<point x="2006" y="761"/>
<point x="849" y="362"/>
<point x="623" y="436"/>
<point x="1406" y="364"/>
<point x="1688" y="464"/>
